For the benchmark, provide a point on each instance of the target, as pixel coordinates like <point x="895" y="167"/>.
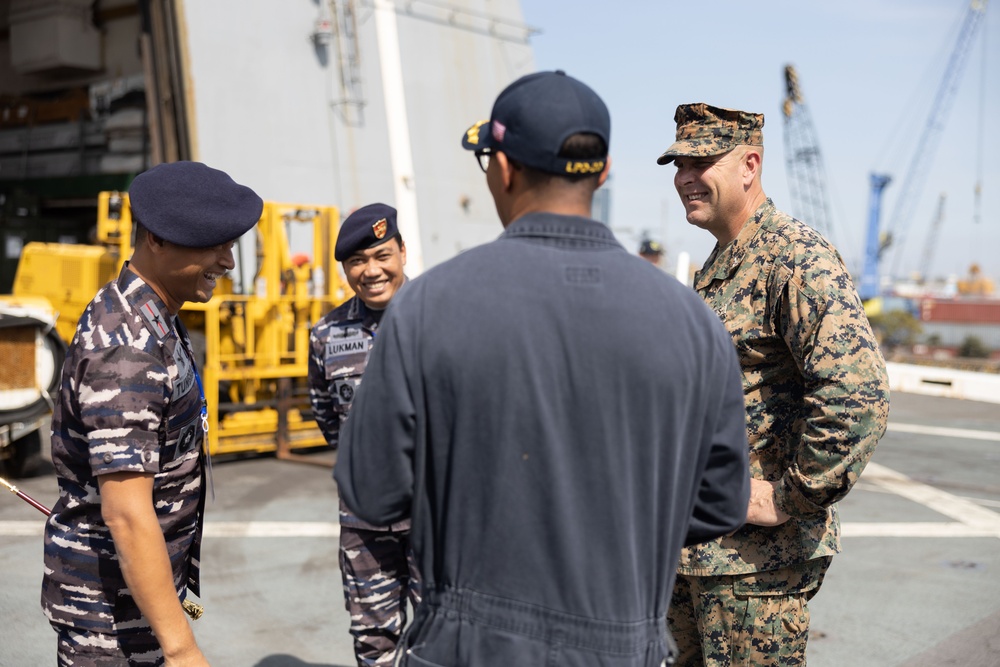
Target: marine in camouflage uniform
<point x="131" y="408"/>
<point x="376" y="562"/>
<point x="816" y="394"/>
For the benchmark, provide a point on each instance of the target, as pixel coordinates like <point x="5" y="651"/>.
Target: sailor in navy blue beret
<point x="193" y="205"/>
<point x="365" y="228"/>
<point x="129" y="442"/>
<point x="372" y="557"/>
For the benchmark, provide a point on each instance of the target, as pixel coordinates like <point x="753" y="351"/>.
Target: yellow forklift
<point x="253" y="346"/>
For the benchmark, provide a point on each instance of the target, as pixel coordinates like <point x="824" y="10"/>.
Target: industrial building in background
<point x="334" y="102"/>
<point x="325" y="104"/>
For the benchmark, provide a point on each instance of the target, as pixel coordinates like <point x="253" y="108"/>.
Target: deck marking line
<point x="968" y="434"/>
<point x="231" y="529"/>
<point x="973" y="520"/>
<point x="213" y="529"/>
<point x="271" y="529"/>
<point x="948" y="529"/>
<point x="21" y="528"/>
<point x="965" y="512"/>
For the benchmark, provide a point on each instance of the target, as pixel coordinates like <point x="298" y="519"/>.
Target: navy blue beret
<point x="193" y="205"/>
<point x="367" y="227"/>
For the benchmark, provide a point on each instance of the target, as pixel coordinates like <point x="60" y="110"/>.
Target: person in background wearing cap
<point x="651" y="251"/>
<point x="122" y="544"/>
<point x="376" y="561"/>
<point x="556" y="439"/>
<point x="816" y="390"/>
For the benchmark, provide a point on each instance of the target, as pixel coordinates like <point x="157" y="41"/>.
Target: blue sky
<point x="869" y="70"/>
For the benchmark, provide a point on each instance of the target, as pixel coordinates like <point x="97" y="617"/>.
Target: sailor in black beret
<point x="193" y="205"/>
<point x="131" y="393"/>
<point x="187" y="218"/>
<point x="372" y="252"/>
<point x="372" y="557"/>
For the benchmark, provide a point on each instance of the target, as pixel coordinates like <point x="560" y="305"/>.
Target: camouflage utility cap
<point x="704" y="130"/>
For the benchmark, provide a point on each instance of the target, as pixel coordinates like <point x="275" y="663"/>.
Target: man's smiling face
<point x="376" y="273"/>
<point x="711" y="189"/>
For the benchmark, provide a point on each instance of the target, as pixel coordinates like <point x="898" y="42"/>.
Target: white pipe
<point x="683" y="270"/>
<point x="400" y="151"/>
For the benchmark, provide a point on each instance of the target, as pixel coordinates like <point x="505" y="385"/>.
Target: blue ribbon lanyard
<point x="204" y="422"/>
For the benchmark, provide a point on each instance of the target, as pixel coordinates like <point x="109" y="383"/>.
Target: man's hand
<point x="762" y="511"/>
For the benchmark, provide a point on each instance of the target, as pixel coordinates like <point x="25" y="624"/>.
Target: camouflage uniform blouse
<point x="814" y="381"/>
<point x="129" y="402"/>
<point x="339" y="346"/>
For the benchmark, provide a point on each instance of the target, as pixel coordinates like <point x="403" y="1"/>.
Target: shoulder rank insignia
<point x="155" y="319"/>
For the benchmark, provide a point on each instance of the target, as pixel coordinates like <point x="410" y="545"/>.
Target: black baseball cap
<point x="650" y="247"/>
<point x="532" y="118"/>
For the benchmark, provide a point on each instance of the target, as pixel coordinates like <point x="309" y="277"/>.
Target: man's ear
<point x="751" y="166"/>
<point x="605" y="172"/>
<point x="153" y="244"/>
<point x="506" y="168"/>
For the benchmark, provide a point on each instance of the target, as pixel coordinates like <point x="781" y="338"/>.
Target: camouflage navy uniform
<point x="817" y="403"/>
<point x="376" y="562"/>
<point x="129" y="402"/>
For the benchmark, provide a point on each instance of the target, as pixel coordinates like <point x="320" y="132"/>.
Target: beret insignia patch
<point x="379" y="228"/>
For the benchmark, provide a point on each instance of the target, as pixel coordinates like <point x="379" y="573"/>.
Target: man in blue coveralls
<point x="558" y="416"/>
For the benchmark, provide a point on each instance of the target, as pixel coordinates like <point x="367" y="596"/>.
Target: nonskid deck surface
<point x="918" y="582"/>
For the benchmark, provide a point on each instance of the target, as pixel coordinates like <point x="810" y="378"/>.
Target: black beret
<point x="193" y="205"/>
<point x="367" y="227"/>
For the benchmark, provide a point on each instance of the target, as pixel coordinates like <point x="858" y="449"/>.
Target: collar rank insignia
<point x="380" y="228"/>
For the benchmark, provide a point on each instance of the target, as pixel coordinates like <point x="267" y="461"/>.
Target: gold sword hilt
<point x="193" y="609"/>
